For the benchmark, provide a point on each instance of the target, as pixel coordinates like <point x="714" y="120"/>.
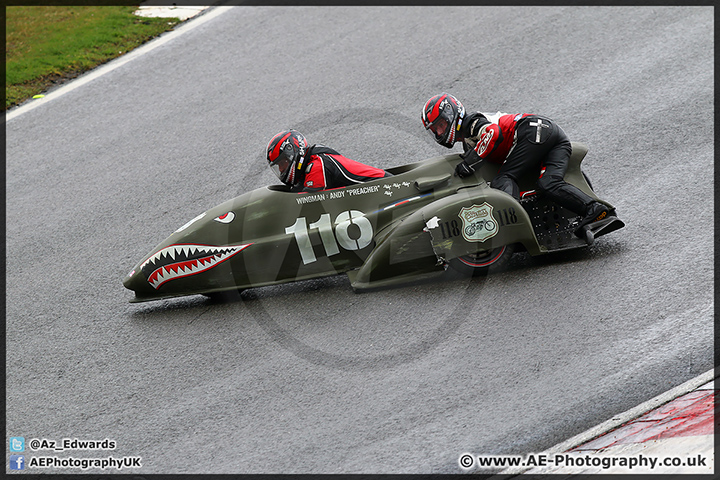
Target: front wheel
<point x="480" y="263"/>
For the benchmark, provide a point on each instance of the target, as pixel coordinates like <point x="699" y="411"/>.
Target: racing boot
<point x="595" y="212"/>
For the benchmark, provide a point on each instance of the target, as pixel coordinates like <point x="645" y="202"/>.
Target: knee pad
<point x="549" y="183"/>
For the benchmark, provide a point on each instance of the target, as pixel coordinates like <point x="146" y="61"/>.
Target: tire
<point x="481" y="263"/>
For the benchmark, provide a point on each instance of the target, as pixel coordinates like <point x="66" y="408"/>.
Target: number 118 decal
<point x="330" y="238"/>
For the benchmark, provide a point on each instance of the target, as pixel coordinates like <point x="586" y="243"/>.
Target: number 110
<point x="325" y="228"/>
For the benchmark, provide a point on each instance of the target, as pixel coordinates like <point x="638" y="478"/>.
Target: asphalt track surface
<point x="310" y="377"/>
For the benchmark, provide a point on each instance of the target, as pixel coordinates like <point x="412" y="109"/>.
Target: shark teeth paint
<point x="183" y="260"/>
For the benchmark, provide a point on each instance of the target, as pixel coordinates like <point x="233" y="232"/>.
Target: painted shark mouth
<point x="183" y="260"/>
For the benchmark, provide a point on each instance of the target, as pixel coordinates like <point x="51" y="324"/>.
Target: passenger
<point x="519" y="143"/>
<point x="317" y="167"/>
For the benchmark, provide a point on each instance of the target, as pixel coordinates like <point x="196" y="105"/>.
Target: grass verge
<point x="46" y="45"/>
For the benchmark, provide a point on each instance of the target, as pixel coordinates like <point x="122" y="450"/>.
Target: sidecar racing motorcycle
<point x="405" y="227"/>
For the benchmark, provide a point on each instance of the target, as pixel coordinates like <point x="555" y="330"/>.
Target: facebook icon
<point x="17" y="462"/>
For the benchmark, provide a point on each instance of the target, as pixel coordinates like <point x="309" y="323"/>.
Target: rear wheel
<point x="480" y="263"/>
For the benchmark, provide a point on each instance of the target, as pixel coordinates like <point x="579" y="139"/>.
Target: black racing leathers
<point x="521" y="142"/>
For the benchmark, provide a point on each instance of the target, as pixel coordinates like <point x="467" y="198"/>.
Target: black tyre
<point x="480" y="263"/>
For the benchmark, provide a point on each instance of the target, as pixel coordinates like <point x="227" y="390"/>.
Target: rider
<point x="316" y="167"/>
<point x="518" y="142"/>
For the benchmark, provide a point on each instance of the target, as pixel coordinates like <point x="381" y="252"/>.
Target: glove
<point x="471" y="157"/>
<point x="464" y="170"/>
<point x="470" y="160"/>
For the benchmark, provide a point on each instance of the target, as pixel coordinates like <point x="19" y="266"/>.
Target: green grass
<point x="48" y="44"/>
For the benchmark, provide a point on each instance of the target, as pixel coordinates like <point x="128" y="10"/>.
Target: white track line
<point x="118" y="62"/>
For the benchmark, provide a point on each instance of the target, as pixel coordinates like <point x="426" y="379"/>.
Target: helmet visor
<point x="282" y="165"/>
<point x="440" y="127"/>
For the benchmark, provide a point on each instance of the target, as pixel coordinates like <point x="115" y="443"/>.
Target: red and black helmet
<point x="285" y="154"/>
<point x="442" y="116"/>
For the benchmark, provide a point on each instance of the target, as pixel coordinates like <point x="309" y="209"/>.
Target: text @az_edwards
<point x="71" y="444"/>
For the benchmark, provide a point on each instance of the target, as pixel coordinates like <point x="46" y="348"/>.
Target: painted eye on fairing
<point x="225" y="218"/>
